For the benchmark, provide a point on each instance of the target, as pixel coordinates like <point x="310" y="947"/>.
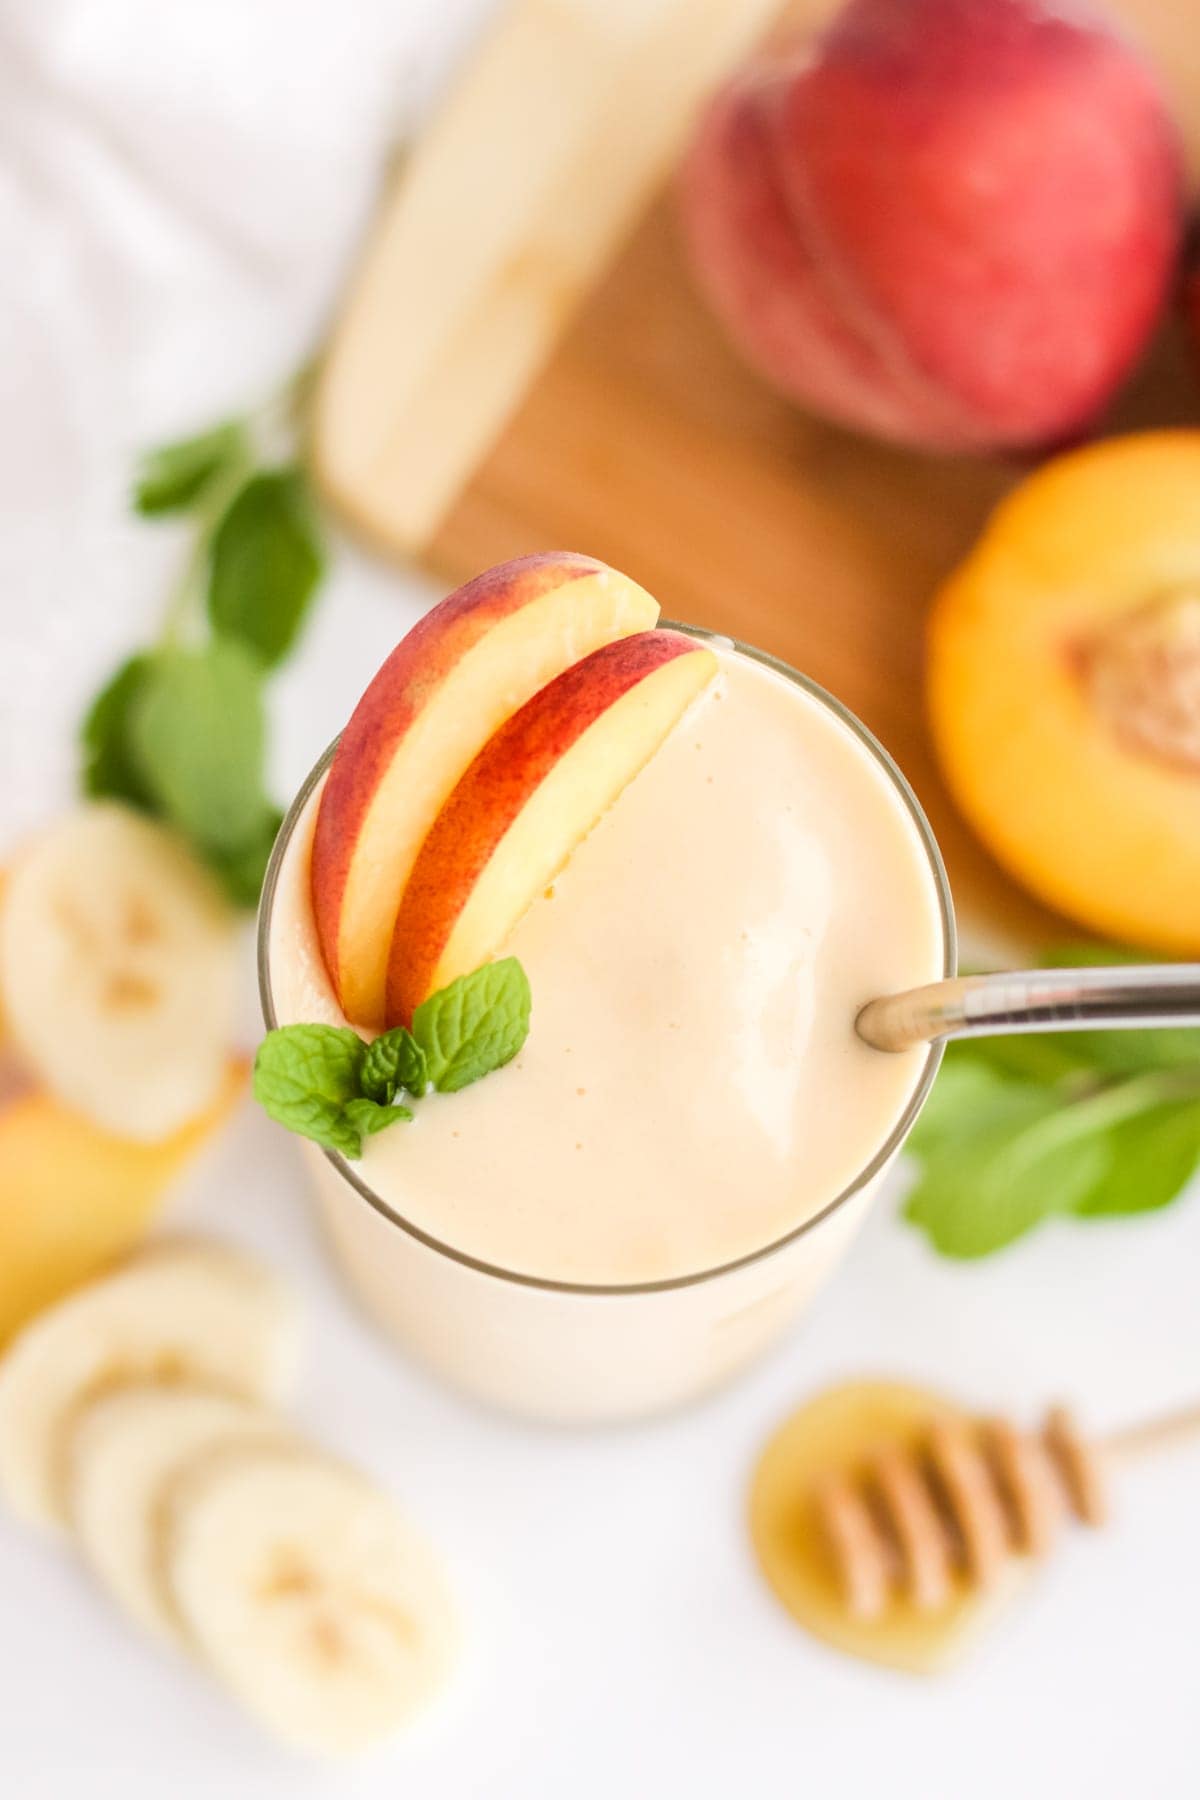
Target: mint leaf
<point x="242" y="871"/>
<point x="1041" y="1057"/>
<point x="267" y="561"/>
<point x="394" y="1061"/>
<point x="173" y="477"/>
<point x="1151" y="1158"/>
<point x="475" y="1025"/>
<point x="1128" y="1053"/>
<point x="197" y="730"/>
<point x="964" y="1091"/>
<point x="1095" y="1123"/>
<point x="309" y="1078"/>
<point x="1121" y="1052"/>
<point x="367" y="1116"/>
<point x="304" y="1076"/>
<point x="110" y="765"/>
<point x="1023" y="1157"/>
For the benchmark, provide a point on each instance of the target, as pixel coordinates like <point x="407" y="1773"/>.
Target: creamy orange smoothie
<point x="691" y="1092"/>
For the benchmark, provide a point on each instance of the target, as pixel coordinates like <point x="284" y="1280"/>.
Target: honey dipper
<point x="894" y="1524"/>
<point x="914" y="1519"/>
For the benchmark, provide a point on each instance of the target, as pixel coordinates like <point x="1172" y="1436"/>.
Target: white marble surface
<point x="179" y="189"/>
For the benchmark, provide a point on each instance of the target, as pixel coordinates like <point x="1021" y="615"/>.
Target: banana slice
<point x="124" y="1451"/>
<point x="118" y="970"/>
<point x="182" y="1313"/>
<point x="308" y="1594"/>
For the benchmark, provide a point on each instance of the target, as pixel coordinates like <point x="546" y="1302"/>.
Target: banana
<point x="118" y="970"/>
<point x="307" y="1594"/>
<point x="123" y="1453"/>
<point x="178" y="1313"/>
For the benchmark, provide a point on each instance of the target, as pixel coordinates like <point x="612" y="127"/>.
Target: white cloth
<point x="182" y="186"/>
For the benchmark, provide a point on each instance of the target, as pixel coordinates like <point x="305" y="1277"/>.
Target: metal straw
<point x="1114" y="998"/>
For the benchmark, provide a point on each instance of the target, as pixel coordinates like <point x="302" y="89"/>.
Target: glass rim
<point x="878" y="1162"/>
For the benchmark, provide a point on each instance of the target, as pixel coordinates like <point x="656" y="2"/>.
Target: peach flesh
<point x="954" y="224"/>
<point x="1063" y="688"/>
<point x="529" y="797"/>
<point x="458" y="674"/>
<point x="1141" y="673"/>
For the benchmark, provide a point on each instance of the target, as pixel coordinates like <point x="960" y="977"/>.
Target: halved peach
<point x="1064" y="687"/>
<point x="528" y="798"/>
<point x="73" y="1196"/>
<point x="462" y="670"/>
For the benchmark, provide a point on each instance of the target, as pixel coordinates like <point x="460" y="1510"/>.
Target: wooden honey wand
<point x="964" y="1498"/>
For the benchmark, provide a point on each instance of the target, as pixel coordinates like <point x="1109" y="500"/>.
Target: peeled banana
<point x="135" y="1412"/>
<point x="308" y="1594"/>
<point x="123" y="1453"/>
<point x="180" y="1313"/>
<point x="118" y="970"/>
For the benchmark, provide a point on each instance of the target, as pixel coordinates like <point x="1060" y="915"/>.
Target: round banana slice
<point x="118" y="970"/>
<point x="308" y="1594"/>
<point x="185" y="1314"/>
<point x="124" y="1451"/>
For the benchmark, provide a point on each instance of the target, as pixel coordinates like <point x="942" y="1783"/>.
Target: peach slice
<point x="464" y="669"/>
<point x="528" y="798"/>
<point x="1064" y="687"/>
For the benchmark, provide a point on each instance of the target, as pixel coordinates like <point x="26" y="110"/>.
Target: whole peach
<point x="951" y="222"/>
<point x="1191" y="290"/>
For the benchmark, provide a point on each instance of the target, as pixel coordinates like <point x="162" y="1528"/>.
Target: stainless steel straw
<point x="1113" y="997"/>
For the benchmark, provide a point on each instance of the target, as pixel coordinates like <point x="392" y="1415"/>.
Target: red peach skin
<point x="1191" y="292"/>
<point x="463" y="669"/>
<point x="954" y="223"/>
<point x="533" y="792"/>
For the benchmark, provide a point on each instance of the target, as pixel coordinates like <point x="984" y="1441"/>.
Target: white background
<point x="179" y="192"/>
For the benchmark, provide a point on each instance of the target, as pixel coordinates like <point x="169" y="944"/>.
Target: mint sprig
<point x="394" y="1061"/>
<point x="1087" y="1124"/>
<point x="173" y="477"/>
<point x="323" y="1082"/>
<point x="179" y="730"/>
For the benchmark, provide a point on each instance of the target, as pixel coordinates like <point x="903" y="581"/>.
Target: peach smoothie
<point x="615" y="1221"/>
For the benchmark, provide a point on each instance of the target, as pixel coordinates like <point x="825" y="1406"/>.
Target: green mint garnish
<point x="475" y="1025"/>
<point x="267" y="562"/>
<point x="367" y="1116"/>
<point x="1018" y="1129"/>
<point x="305" y="1075"/>
<point x="198" y="732"/>
<point x="394" y="1061"/>
<point x="111" y="766"/>
<point x="175" y="477"/>
<point x="242" y="870"/>
<point x="324" y="1083"/>
<point x="179" y="730"/>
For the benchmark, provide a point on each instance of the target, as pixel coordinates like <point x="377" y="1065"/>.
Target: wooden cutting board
<point x="645" y="442"/>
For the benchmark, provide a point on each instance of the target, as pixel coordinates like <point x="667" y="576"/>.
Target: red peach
<point x="952" y="223"/>
<point x="1191" y="291"/>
